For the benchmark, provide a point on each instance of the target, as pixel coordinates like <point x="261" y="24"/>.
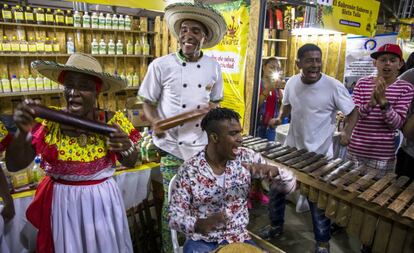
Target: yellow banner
<point x="405" y="37"/>
<point x="155" y="5"/>
<point x="349" y="16"/>
<point x="231" y="54"/>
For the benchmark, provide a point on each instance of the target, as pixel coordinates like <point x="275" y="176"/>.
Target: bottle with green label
<point x="56" y="46"/>
<point x="102" y="21"/>
<point x="50" y="18"/>
<point x="15" y="45"/>
<point x="28" y="15"/>
<point x="115" y="22"/>
<point x="128" y="23"/>
<point x="18" y="14"/>
<point x="119" y="48"/>
<point x="111" y="47"/>
<point x="47" y="84"/>
<point x="5" y="83"/>
<point x="121" y="22"/>
<point x="48" y="46"/>
<point x="32" y="46"/>
<point x="23" y="84"/>
<point x="95" y="20"/>
<point x="6" y="45"/>
<point x="108" y="21"/>
<point x="86" y="20"/>
<point x="77" y="19"/>
<point x="24" y="47"/>
<point x="59" y="17"/>
<point x="129" y="48"/>
<point x="40" y="16"/>
<point x="31" y="83"/>
<point x="102" y="47"/>
<point x="6" y="13"/>
<point x="69" y="18"/>
<point x="95" y="47"/>
<point x="15" y="84"/>
<point x="40" y="46"/>
<point x="39" y="83"/>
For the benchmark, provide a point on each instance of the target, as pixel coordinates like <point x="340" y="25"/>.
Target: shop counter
<point x="20" y="236"/>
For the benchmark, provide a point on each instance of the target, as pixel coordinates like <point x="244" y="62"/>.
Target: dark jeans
<point x="404" y="165"/>
<point x="321" y="224"/>
<point x="191" y="246"/>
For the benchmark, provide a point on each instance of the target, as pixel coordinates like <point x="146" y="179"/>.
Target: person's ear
<point x="297" y="61"/>
<point x="214" y="137"/>
<point x="401" y="64"/>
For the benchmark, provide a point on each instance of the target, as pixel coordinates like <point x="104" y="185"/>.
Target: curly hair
<point x="209" y="122"/>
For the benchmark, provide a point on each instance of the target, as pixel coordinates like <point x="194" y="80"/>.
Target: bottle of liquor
<point x="50" y="18"/>
<point x="18" y="14"/>
<point x="56" y="46"/>
<point x="69" y="18"/>
<point x="48" y="46"/>
<point x="32" y="45"/>
<point x="40" y="45"/>
<point x="24" y="47"/>
<point x="15" y="45"/>
<point x="40" y="16"/>
<point x="6" y="13"/>
<point x="6" y="45"/>
<point x="28" y="15"/>
<point x="59" y="17"/>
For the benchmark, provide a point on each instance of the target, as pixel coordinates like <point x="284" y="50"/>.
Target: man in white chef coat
<point x="179" y="82"/>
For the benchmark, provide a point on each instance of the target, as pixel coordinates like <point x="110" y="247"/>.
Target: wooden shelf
<point x="276" y="40"/>
<point x="30" y="93"/>
<point x="74" y="28"/>
<point x="67" y="55"/>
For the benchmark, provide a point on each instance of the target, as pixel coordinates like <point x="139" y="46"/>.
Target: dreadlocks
<point x="209" y="122"/>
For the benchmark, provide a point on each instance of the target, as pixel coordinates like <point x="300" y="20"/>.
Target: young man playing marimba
<point x="209" y="198"/>
<point x="312" y="99"/>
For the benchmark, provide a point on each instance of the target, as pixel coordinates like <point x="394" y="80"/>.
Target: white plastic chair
<point x="177" y="248"/>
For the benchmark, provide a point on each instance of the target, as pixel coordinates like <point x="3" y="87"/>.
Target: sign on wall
<point x="350" y="16"/>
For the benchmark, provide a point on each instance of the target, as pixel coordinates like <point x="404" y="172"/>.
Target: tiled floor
<point x="298" y="234"/>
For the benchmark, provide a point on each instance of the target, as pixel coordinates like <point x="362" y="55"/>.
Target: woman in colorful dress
<point x="78" y="206"/>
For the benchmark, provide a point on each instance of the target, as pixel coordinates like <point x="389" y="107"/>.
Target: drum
<point x="238" y="248"/>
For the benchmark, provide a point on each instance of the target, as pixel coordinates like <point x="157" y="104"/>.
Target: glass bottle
<point x="115" y="22"/>
<point x="111" y="47"/>
<point x="86" y="20"/>
<point x="108" y="21"/>
<point x="95" y="47"/>
<point x="40" y="16"/>
<point x="129" y="48"/>
<point x="121" y="23"/>
<point x="15" y="84"/>
<point x="39" y="83"/>
<point x="31" y="83"/>
<point x="6" y="13"/>
<point x="102" y="21"/>
<point x="69" y="18"/>
<point x="6" y="45"/>
<point x="28" y="15"/>
<point x="128" y="23"/>
<point x="102" y="47"/>
<point x="32" y="45"/>
<point x="145" y="46"/>
<point x="48" y="46"/>
<point x="40" y="46"/>
<point x="56" y="46"/>
<point x="23" y="84"/>
<point x="15" y="45"/>
<point x="24" y="47"/>
<point x="77" y="19"/>
<point x="70" y="46"/>
<point x="95" y="20"/>
<point x="138" y="47"/>
<point x="50" y="18"/>
<point x="135" y="79"/>
<point x="59" y="17"/>
<point x="18" y="14"/>
<point x="129" y="79"/>
<point x="119" y="48"/>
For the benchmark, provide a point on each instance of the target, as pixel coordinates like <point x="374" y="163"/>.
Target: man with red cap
<point x="382" y="103"/>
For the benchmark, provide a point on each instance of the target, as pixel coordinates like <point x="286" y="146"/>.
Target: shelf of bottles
<point x="67" y="55"/>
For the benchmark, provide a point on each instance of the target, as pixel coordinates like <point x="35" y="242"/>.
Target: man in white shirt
<point x="183" y="81"/>
<point x="312" y="100"/>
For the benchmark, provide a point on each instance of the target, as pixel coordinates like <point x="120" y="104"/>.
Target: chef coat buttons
<point x="199" y="86"/>
<point x="185" y="85"/>
<point x="184" y="64"/>
<point x="198" y="106"/>
<point x="180" y="143"/>
<point x="197" y="125"/>
<point x="194" y="142"/>
<point x="183" y="106"/>
<point x="198" y="66"/>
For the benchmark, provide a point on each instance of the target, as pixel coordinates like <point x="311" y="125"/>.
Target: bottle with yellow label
<point x="39" y="83"/>
<point x="59" y="17"/>
<point x="6" y="45"/>
<point x="15" y="84"/>
<point x="69" y="18"/>
<point x="23" y="84"/>
<point x="5" y="83"/>
<point x="47" y="85"/>
<point x="129" y="48"/>
<point x="56" y="46"/>
<point x="28" y="15"/>
<point x="40" y="16"/>
<point x="15" y="45"/>
<point x="40" y="46"/>
<point x="50" y="18"/>
<point x="24" y="47"/>
<point x="137" y="47"/>
<point x="32" y="46"/>
<point x="31" y="83"/>
<point x="6" y="13"/>
<point x="18" y="14"/>
<point x="48" y="46"/>
<point x="145" y="46"/>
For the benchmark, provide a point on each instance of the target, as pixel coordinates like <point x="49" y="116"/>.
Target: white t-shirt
<point x="313" y="115"/>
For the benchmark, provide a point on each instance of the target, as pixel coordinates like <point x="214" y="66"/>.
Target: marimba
<point x="380" y="211"/>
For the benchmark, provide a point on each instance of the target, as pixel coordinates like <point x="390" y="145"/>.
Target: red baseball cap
<point x="388" y="49"/>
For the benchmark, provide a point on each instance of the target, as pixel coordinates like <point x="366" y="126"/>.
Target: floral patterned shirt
<point x="198" y="194"/>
